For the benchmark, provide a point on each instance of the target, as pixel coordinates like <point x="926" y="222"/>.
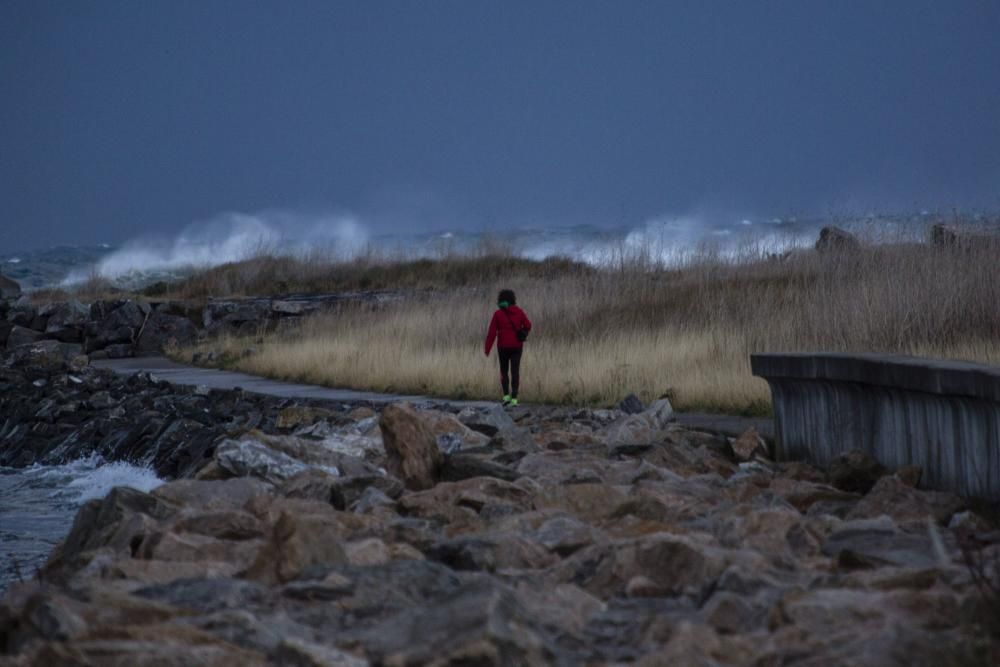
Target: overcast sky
<point x="124" y="118"/>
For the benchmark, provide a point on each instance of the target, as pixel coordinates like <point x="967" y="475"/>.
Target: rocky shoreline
<point x="119" y="328"/>
<point x="300" y="533"/>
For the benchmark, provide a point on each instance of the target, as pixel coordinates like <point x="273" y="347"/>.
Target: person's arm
<point x="527" y="323"/>
<point x="491" y="334"/>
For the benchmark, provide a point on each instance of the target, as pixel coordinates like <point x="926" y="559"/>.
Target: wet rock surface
<point x="337" y="535"/>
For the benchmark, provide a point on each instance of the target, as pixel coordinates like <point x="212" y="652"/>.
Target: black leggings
<point x="510" y="357"/>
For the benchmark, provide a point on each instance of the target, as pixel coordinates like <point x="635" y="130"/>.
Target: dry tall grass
<point x="272" y="274"/>
<point x="640" y="328"/>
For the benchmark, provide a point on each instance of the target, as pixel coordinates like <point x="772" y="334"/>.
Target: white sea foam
<point x="231" y="237"/>
<point x="86" y="478"/>
<point x="97" y="481"/>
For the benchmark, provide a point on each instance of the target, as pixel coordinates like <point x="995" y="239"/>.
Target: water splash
<point x="38" y="504"/>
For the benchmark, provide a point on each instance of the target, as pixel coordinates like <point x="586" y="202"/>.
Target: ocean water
<point x="38" y="504"/>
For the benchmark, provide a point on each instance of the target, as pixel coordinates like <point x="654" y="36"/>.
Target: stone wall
<point x="940" y="415"/>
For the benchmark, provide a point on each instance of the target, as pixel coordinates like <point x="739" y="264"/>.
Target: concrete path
<point x="213" y="378"/>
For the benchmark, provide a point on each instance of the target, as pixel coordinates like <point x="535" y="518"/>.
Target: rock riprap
<point x="116" y="328"/>
<point x="333" y="535"/>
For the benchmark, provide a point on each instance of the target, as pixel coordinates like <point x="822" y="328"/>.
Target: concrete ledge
<point x="932" y="376"/>
<point x="940" y="415"/>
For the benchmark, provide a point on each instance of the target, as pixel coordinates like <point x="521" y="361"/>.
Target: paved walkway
<point x="213" y="378"/>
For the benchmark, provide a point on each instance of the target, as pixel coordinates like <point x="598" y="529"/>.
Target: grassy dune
<point x="637" y="327"/>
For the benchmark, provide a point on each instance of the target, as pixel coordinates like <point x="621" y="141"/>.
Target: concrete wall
<point x="942" y="416"/>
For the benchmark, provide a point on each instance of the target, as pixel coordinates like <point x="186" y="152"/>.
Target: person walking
<point x="509" y="327"/>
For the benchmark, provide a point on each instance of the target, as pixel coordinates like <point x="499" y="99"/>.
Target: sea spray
<point x="663" y="240"/>
<point x="230" y="237"/>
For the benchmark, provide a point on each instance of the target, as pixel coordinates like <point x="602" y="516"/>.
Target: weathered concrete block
<point x="940" y="415"/>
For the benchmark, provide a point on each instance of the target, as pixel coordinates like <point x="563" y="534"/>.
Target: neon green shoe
<point x="506" y="400"/>
<point x="513" y="403"/>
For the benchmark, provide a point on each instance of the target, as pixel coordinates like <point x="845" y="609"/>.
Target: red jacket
<point x="504" y="326"/>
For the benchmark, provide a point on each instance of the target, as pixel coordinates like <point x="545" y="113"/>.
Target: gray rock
<point x="164" y="331"/>
<point x="660" y="412"/>
<point x="9" y="289"/>
<point x="19" y="336"/>
<point x="121" y="325"/>
<point x="219" y="494"/>
<point x="66" y="321"/>
<point x="251" y="457"/>
<point x="242" y="628"/>
<point x="877" y="542"/>
<point x="49" y="355"/>
<point x="292" y="308"/>
<point x="101" y="400"/>
<point x="565" y="535"/>
<point x="112" y="522"/>
<point x="206" y="595"/>
<point x="302" y="653"/>
<point x="370" y="500"/>
<point x="23" y="312"/>
<point x="346" y="491"/>
<point x="483" y="624"/>
<point x="50" y="618"/>
<point x="118" y="351"/>
<point x="855" y="471"/>
<point x="488" y="420"/>
<point x="835" y="239"/>
<point x="514" y="439"/>
<point x="631" y="405"/>
<point x="240" y="317"/>
<point x="465" y="466"/>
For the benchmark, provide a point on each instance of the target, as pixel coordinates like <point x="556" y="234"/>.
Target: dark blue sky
<point x="123" y="118"/>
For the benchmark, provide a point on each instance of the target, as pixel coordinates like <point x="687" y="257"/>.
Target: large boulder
<point x="163" y="331"/>
<point x="49" y="355"/>
<point x="213" y="495"/>
<point x="9" y="289"/>
<point x="248" y="456"/>
<point x="867" y="543"/>
<point x="451" y="434"/>
<point x="486" y="420"/>
<point x="120" y="326"/>
<point x="66" y="321"/>
<point x="360" y="439"/>
<point x="660" y="565"/>
<point x="891" y="497"/>
<point x="631" y="405"/>
<point x="411" y="449"/>
<point x="18" y="336"/>
<point x="237" y="317"/>
<point x="835" y="239"/>
<point x="483" y="624"/>
<point x="23" y="313"/>
<point x="116" y="523"/>
<point x="644" y="428"/>
<point x="304" y="533"/>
